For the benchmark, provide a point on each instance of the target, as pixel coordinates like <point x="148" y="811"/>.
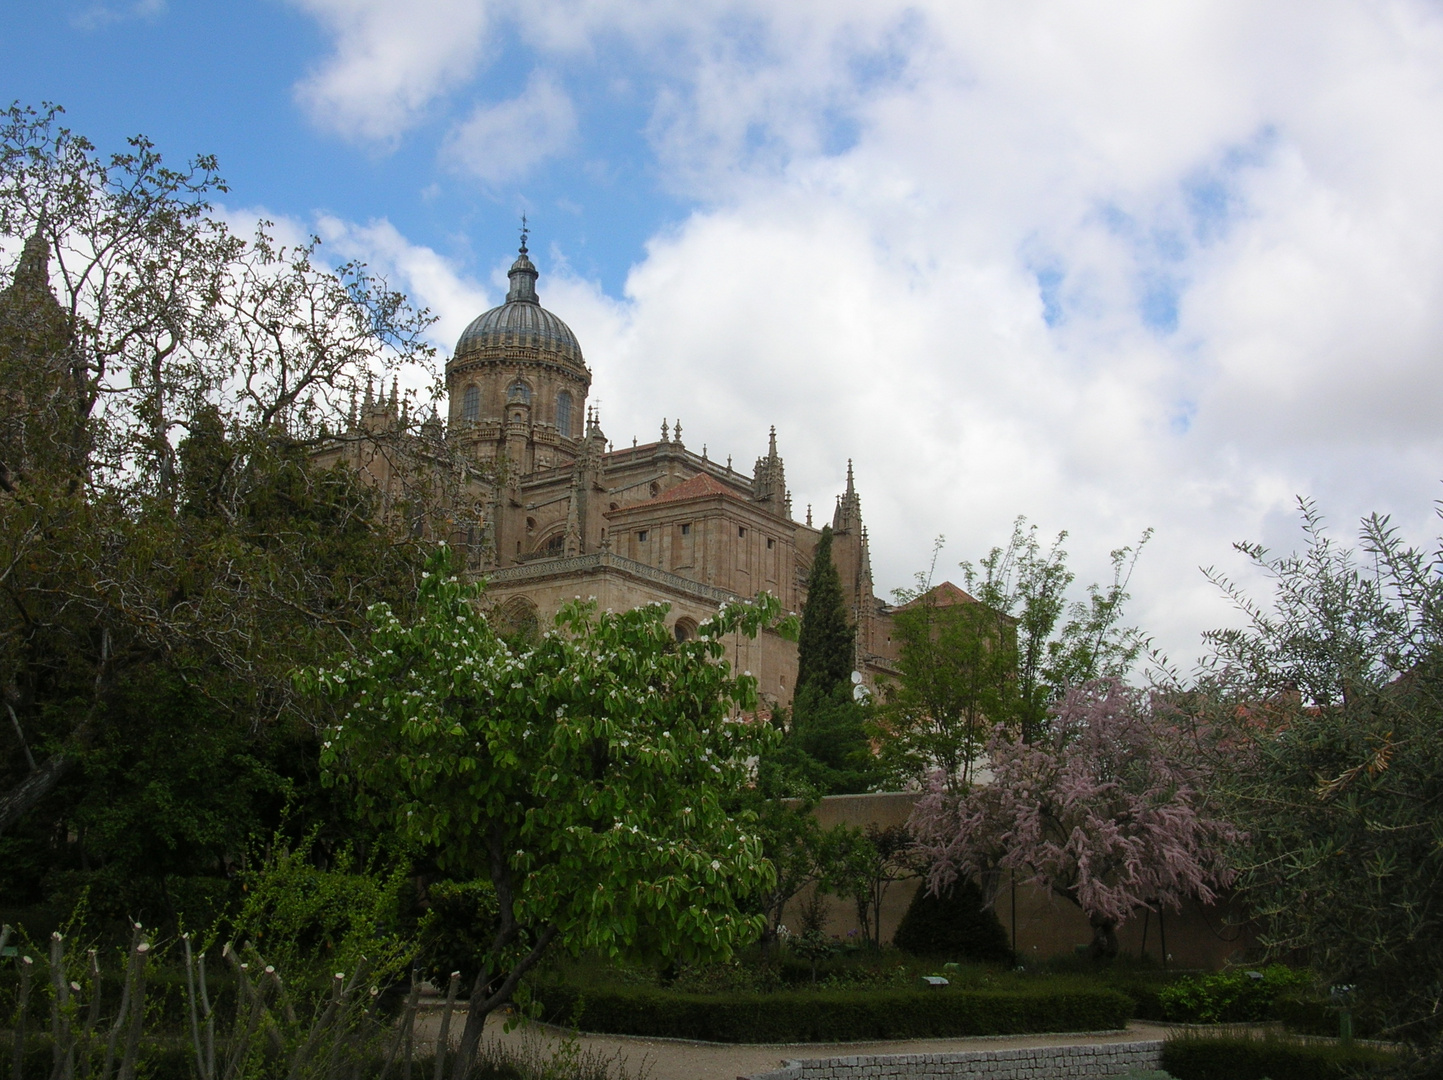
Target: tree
<point x="586" y="775"/>
<point x="956" y="923"/>
<point x="1003" y="653"/>
<point x="873" y="861"/>
<point x="1023" y="587"/>
<point x="1103" y="809"/>
<point x="826" y="653"/>
<point x="168" y="551"/>
<point x="953" y="670"/>
<point x="1327" y="722"/>
<point x="825" y="748"/>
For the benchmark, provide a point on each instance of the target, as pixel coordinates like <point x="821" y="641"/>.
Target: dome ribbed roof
<point x="521" y="321"/>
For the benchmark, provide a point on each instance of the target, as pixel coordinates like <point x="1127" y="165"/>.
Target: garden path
<point x="679" y="1059"/>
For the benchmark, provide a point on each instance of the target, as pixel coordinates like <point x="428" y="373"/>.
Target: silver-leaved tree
<point x="1104" y="807"/>
<point x="584" y="774"/>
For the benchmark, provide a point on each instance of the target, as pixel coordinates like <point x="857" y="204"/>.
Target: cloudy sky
<point x="1111" y="266"/>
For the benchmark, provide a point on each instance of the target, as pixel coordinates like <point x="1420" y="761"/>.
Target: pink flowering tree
<point x="1102" y="807"/>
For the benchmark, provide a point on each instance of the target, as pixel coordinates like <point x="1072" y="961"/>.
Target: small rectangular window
<point x="686" y="530"/>
<point x="641" y="537"/>
<point x="771" y="543"/>
<point x="741" y="530"/>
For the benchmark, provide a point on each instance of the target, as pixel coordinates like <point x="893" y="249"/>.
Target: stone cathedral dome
<point x="521" y="322"/>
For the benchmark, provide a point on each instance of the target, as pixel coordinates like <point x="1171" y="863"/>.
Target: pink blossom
<point x="1105" y="808"/>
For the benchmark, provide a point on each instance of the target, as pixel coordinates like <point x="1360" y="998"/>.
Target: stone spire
<point x="848" y="515"/>
<point x="769" y="478"/>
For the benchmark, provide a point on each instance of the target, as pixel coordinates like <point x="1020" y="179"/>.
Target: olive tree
<point x="586" y="774"/>
<point x="1327" y="715"/>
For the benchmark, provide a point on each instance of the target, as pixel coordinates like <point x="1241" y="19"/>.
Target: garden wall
<point x="1198" y="937"/>
<point x="1032" y="1063"/>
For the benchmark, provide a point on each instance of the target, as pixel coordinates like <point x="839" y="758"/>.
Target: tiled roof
<point x="699" y="486"/>
<point x="944" y="595"/>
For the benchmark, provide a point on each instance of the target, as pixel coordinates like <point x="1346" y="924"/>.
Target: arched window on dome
<point x="520" y="390"/>
<point x="471" y="404"/>
<point x="563" y="413"/>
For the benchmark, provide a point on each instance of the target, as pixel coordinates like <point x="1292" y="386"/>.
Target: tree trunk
<point x="21" y="799"/>
<point x="1104" y="939"/>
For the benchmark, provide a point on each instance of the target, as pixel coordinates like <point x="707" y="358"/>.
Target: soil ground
<point x="679" y="1059"/>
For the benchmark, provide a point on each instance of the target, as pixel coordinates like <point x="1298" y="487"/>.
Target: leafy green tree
<point x="1003" y="653"/>
<point x="586" y="775"/>
<point x="872" y="861"/>
<point x="953" y="674"/>
<point x="1326" y="712"/>
<point x="1054" y="644"/>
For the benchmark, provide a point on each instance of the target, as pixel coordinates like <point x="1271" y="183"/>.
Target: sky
<point x="1112" y="267"/>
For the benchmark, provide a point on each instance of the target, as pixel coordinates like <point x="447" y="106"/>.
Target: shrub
<point x="1230" y="997"/>
<point x="1243" y="1058"/>
<point x="831" y="1016"/>
<point x="953" y="924"/>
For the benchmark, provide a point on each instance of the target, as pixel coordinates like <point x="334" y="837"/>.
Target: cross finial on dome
<point x="525" y="232"/>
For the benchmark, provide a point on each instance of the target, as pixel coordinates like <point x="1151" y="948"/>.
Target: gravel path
<point x="678" y="1059"/>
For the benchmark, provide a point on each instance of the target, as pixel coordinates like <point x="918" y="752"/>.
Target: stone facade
<point x="547" y="508"/>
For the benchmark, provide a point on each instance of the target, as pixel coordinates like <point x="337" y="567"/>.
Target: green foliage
<point x="587" y="776"/>
<point x="825" y="748"/>
<point x="1209" y="1057"/>
<point x="1230" y="997"/>
<point x="954" y="925"/>
<point x="1326" y="717"/>
<point x="834" y="1015"/>
<point x="872" y="861"/>
<point x="168" y="548"/>
<point x="826" y="647"/>
<point x="308" y="921"/>
<point x="1055" y="644"/>
<point x="953" y="668"/>
<point x="1002" y="655"/>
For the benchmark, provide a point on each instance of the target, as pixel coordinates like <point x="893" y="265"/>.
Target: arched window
<point x="563" y="413"/>
<point x="471" y="404"/>
<point x="519" y="391"/>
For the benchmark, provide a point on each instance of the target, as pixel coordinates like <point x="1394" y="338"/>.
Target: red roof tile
<point x="699" y="486"/>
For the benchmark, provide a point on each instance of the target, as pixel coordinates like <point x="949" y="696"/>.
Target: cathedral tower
<point x="517" y="382"/>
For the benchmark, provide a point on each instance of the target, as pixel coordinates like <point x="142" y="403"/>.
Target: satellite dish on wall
<point x="856" y="678"/>
<point x="860" y="693"/>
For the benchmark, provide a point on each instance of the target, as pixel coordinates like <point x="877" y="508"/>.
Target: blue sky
<point x="1158" y="265"/>
<point x="212" y="77"/>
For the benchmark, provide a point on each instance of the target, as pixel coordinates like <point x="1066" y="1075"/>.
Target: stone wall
<point x="1031" y="1063"/>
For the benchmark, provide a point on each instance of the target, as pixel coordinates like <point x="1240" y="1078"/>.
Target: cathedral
<point x="560" y="512"/>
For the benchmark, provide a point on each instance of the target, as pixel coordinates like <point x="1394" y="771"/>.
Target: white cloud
<point x="1166" y="265"/>
<point x="98" y="16"/>
<point x="506" y="141"/>
<point x="391" y="60"/>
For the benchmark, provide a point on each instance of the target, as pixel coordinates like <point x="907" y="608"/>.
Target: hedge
<point x="830" y="1016"/>
<point x="1243" y="1058"/>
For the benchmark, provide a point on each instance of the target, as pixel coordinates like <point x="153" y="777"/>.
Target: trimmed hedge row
<point x="1242" y="1058"/>
<point x="831" y="1016"/>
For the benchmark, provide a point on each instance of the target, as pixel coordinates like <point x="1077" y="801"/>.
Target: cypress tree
<point x="825" y="650"/>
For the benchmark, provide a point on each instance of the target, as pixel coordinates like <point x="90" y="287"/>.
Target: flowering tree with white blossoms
<point x="583" y="774"/>
<point x="1104" y="808"/>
